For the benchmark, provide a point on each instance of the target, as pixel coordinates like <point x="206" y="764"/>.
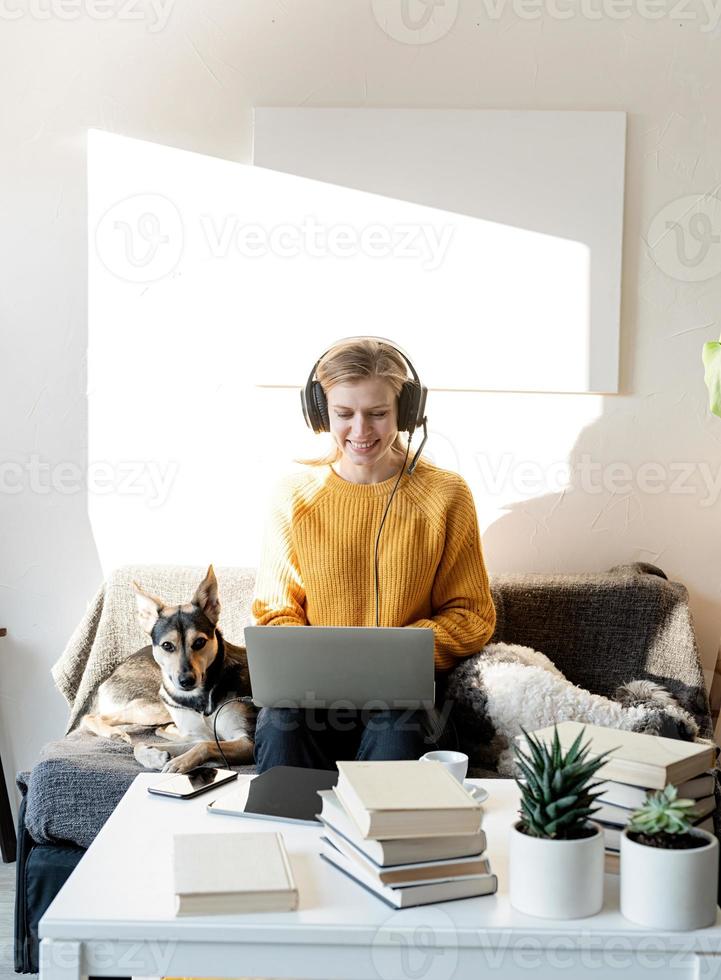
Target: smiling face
<point x="363" y="422"/>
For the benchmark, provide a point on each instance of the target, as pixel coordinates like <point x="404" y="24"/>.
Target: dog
<point x="507" y="686"/>
<point x="180" y="684"/>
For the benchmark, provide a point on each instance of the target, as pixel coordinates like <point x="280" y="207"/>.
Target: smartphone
<point x="187" y="785"/>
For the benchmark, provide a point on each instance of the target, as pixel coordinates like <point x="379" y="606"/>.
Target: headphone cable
<point x="243" y="700"/>
<point x="411" y="468"/>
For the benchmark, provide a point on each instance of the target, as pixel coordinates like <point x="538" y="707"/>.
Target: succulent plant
<point x="556" y="788"/>
<point x="662" y="815"/>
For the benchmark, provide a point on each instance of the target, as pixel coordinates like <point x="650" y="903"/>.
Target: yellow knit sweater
<point x="317" y="562"/>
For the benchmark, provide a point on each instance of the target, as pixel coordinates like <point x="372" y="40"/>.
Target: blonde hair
<point x="354" y="360"/>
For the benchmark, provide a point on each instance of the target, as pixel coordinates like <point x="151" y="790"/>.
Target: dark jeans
<point x="316" y="739"/>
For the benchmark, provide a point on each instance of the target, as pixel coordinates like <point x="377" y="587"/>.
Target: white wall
<point x="544" y="195"/>
<point x="190" y="84"/>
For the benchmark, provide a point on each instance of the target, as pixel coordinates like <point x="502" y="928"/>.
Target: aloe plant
<point x="712" y="375"/>
<point x="556" y="796"/>
<point x="662" y="818"/>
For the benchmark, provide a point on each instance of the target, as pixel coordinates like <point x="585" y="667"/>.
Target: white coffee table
<point x="114" y="917"/>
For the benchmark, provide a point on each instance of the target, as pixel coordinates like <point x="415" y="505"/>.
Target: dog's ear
<point x="206" y="596"/>
<point x="148" y="608"/>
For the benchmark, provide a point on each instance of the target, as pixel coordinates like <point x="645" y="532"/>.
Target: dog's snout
<point x="186" y="681"/>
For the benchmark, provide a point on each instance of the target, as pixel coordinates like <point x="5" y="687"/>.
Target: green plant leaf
<point x="556" y="750"/>
<point x="560" y="806"/>
<point x="575" y="750"/>
<point x="712" y="374"/>
<point x="546" y="786"/>
<point x="531" y="788"/>
<point x="526" y="811"/>
<point x="537" y="750"/>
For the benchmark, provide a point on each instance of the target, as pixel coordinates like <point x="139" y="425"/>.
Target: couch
<point x="600" y="629"/>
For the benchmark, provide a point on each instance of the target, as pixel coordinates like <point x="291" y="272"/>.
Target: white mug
<point x="455" y="762"/>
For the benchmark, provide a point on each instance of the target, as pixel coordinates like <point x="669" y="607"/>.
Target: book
<point x="406" y="798"/>
<point x="649" y="761"/>
<point x="620" y="794"/>
<point x="408" y="896"/>
<point x="219" y="874"/>
<point x="608" y="813"/>
<point x="288" y="793"/>
<point x="418" y="873"/>
<point x="395" y="851"/>
<point x="612" y="834"/>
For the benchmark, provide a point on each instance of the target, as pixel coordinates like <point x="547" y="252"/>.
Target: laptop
<point x="340" y="666"/>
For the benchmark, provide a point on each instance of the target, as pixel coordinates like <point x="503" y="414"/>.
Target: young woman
<point x="318" y="559"/>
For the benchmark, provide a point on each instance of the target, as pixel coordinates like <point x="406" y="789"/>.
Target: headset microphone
<point x="420" y="448"/>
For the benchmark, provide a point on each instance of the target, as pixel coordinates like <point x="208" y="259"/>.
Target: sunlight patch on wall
<point x="209" y="279"/>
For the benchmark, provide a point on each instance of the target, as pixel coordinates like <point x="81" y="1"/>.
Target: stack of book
<point x="639" y="764"/>
<point x="406" y="831"/>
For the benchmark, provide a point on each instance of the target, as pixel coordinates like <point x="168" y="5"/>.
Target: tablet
<point x="281" y="793"/>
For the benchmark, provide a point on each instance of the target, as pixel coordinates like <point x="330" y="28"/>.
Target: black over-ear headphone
<point x="411" y="401"/>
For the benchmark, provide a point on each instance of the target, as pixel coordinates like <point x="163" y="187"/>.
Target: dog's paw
<point x="151" y="758"/>
<point x="180" y="764"/>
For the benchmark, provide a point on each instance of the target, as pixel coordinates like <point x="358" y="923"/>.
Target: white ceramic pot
<point x="556" y="879"/>
<point x="669" y="889"/>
